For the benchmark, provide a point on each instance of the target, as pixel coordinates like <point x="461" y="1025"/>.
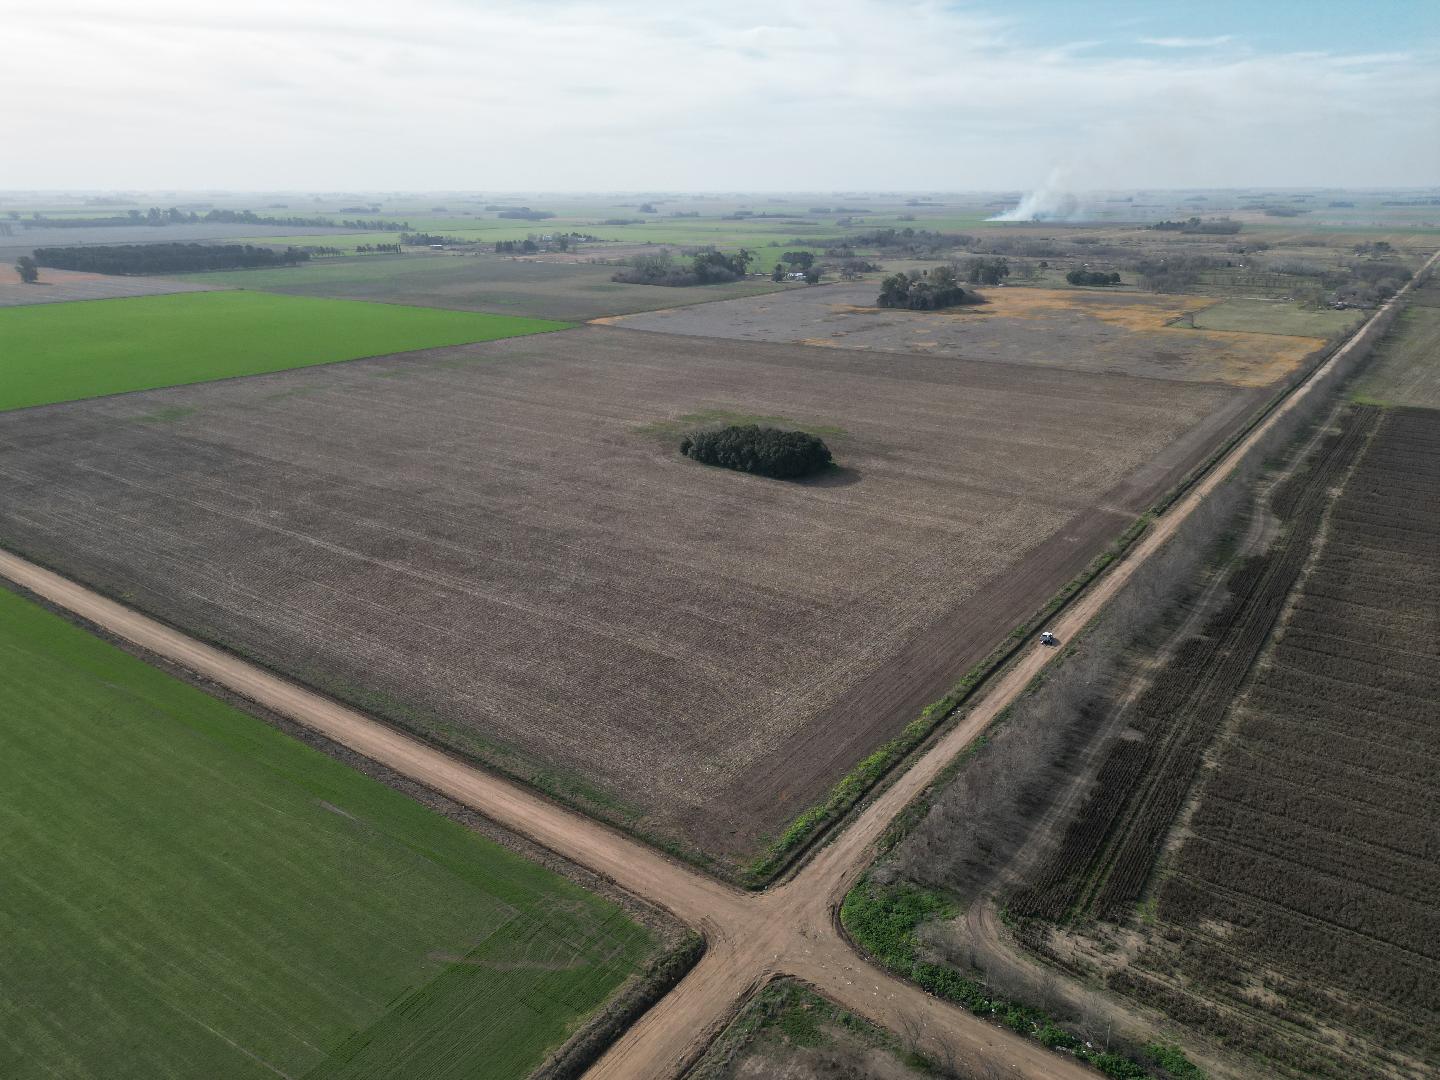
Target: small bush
<point x="765" y="451"/>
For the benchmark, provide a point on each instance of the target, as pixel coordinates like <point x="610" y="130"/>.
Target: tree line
<point x="174" y="216"/>
<point x="1092" y="277"/>
<point x="707" y="267"/>
<point x="165" y="258"/>
<point x="1193" y="225"/>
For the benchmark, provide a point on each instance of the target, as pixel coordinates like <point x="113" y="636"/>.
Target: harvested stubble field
<point x="548" y="288"/>
<point x="499" y="545"/>
<point x="1109" y="850"/>
<point x="57" y="286"/>
<point x="1085" y="330"/>
<point x="1293" y="903"/>
<point x="65" y="352"/>
<point x="1301" y="916"/>
<point x="189" y="892"/>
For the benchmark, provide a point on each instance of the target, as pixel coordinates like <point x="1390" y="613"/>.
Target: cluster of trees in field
<point x="524" y="213"/>
<point x="925" y="291"/>
<point x="765" y="451"/>
<point x="175" y="216"/>
<point x="165" y="258"/>
<point x="1092" y="277"/>
<point x="373" y="249"/>
<point x="28" y="269"/>
<point x="707" y="266"/>
<point x="984" y="269"/>
<point x="1367" y="283"/>
<point x="1196" y="226"/>
<point x="1173" y="273"/>
<point x="797" y="262"/>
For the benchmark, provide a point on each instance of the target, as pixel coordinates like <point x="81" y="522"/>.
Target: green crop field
<point x="1274" y="317"/>
<point x="1406" y="367"/>
<point x="189" y="893"/>
<point x="62" y="352"/>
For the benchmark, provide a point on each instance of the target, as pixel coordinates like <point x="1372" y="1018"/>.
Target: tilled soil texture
<point x="1309" y="865"/>
<point x="499" y="546"/>
<point x="57" y="286"/>
<point x="1117" y="333"/>
<point x="541" y="287"/>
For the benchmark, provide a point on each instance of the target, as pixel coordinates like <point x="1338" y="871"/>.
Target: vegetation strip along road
<point x="791" y="929"/>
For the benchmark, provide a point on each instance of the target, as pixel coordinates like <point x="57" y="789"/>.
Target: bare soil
<point x="791" y="929"/>
<point x="57" y="286"/>
<point x="1086" y="330"/>
<point x="490" y="545"/>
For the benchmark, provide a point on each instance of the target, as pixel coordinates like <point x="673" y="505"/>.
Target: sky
<point x="742" y="95"/>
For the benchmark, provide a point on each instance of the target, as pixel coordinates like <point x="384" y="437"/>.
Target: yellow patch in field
<point x="1256" y="359"/>
<point x="1240" y="358"/>
<point x="1122" y="309"/>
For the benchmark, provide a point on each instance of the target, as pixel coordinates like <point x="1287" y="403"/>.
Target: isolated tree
<point x="28" y="269"/>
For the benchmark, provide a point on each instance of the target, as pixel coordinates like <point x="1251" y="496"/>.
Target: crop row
<point x="1110" y="848"/>
<point x="1314" y="851"/>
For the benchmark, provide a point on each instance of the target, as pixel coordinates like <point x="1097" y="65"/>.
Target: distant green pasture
<point x="62" y="352"/>
<point x="1274" y="317"/>
<point x="189" y="893"/>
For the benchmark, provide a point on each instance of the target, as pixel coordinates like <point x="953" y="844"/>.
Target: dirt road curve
<point x="789" y="930"/>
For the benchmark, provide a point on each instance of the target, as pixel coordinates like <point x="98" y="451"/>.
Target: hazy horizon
<point x="781" y="97"/>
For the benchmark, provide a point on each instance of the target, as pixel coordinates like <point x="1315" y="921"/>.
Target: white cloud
<point x="1188" y="42"/>
<point x="580" y="95"/>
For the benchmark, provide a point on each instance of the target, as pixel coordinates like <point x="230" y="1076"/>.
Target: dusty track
<point x="790" y="929"/>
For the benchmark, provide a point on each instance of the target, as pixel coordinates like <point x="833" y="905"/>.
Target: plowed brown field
<point x="498" y="547"/>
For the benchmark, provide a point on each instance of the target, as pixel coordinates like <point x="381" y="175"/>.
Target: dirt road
<point x="790" y="929"/>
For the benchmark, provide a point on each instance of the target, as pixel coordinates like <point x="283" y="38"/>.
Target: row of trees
<point x="175" y="216"/>
<point x="1195" y="226"/>
<point x="925" y="291"/>
<point x="165" y="258"/>
<point x="797" y="262"/>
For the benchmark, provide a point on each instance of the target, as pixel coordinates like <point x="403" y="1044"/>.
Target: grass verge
<point x="884" y="920"/>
